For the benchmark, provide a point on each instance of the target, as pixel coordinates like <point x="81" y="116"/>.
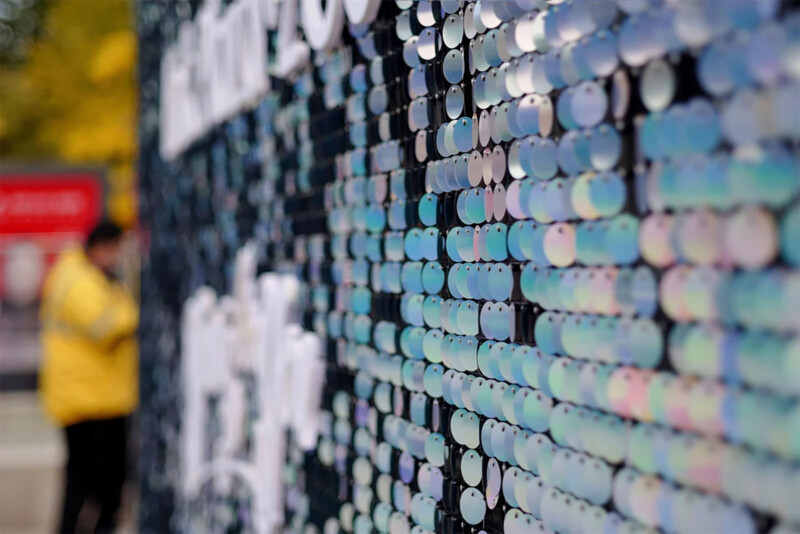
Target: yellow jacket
<point x="89" y="368"/>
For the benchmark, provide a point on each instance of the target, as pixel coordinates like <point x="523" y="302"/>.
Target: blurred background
<point x="69" y="108"/>
<point x="67" y="149"/>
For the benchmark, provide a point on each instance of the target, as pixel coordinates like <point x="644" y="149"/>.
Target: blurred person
<point x="88" y="379"/>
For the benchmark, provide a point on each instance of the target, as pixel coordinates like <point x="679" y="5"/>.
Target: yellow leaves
<point x="121" y="207"/>
<point x="115" y="56"/>
<point x="100" y="141"/>
<point x="74" y="98"/>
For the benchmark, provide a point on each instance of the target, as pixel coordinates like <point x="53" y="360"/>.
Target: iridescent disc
<point x="472" y="506"/>
<point x="471" y="468"/>
<point x="453" y="66"/>
<point x="589" y="104"/>
<point x="493" y="483"/>
<point x="453" y="30"/>
<point x="657" y="85"/>
<point x="454" y="101"/>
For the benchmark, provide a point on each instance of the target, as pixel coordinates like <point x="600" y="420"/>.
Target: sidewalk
<point x="31" y="459"/>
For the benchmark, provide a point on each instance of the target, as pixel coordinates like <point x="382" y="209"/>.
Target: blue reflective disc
<point x="475" y="205"/>
<point x="451" y="244"/>
<point x="432" y="277"/>
<point x="430" y="243"/>
<point x="413" y="244"/>
<point x="543" y="158"/>
<point x="567" y="153"/>
<point x="427" y="209"/>
<point x="496" y="239"/>
<point x="473" y="506"/>
<point x="607" y="193"/>
<point x="622" y="239"/>
<point x="465" y="244"/>
<point x="514" y="245"/>
<point x="601" y="53"/>
<point x="501" y="282"/>
<point x="411" y="275"/>
<point x="485" y="321"/>
<point x="790" y="229"/>
<point x="605" y="147"/>
<point x="645" y="292"/>
<point x="557" y="195"/>
<point x="474" y="274"/>
<point x="564" y="109"/>
<point x="453" y="66"/>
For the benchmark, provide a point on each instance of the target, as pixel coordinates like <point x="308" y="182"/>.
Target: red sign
<point x="40" y="214"/>
<point x="49" y="203"/>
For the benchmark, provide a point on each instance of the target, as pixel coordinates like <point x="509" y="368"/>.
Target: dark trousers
<point x="95" y="469"/>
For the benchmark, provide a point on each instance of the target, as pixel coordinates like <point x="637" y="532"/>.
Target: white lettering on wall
<point x="252" y="332"/>
<point x="323" y="27"/>
<point x="292" y="52"/>
<point x="218" y="66"/>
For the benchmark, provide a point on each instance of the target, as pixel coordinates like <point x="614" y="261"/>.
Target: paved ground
<point x="31" y="456"/>
<point x="31" y="463"/>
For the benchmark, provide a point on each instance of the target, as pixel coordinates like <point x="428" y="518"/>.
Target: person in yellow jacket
<point x="89" y="375"/>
